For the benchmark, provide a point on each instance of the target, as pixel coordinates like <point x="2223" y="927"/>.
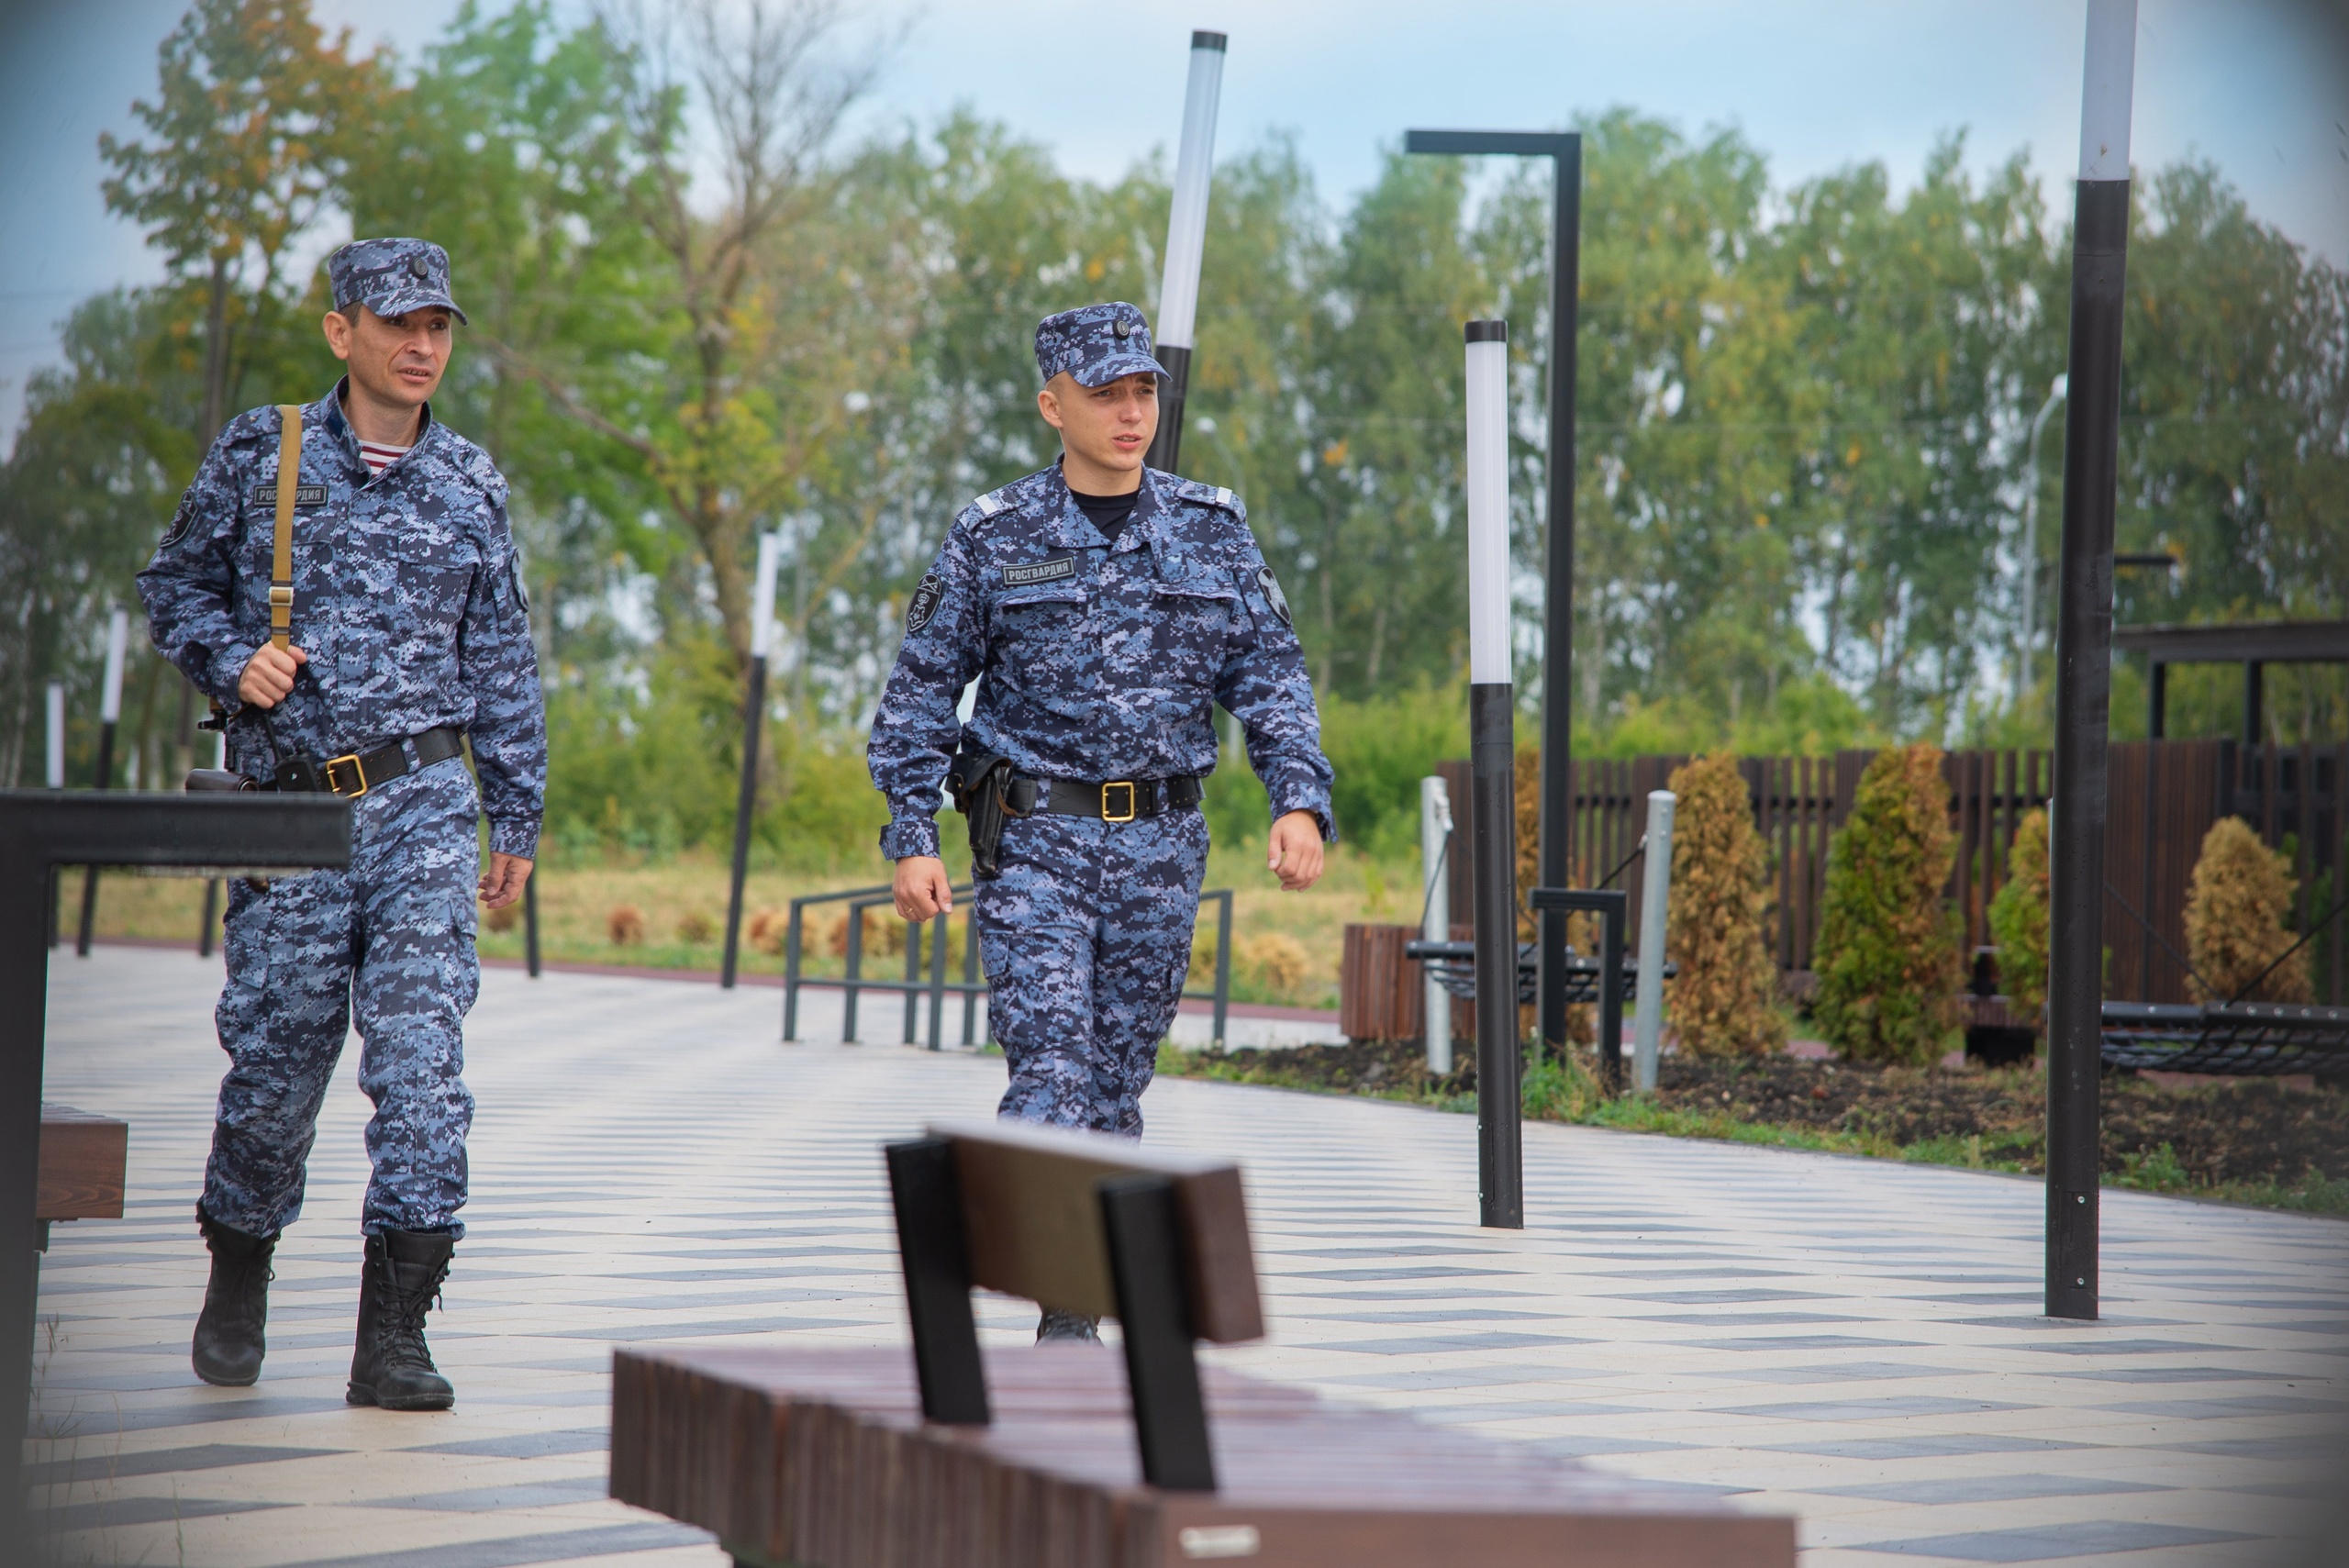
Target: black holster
<point x="212" y="781"/>
<point x="977" y="784"/>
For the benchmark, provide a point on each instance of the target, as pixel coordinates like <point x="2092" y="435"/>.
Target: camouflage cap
<point x="1095" y="344"/>
<point x="392" y="277"/>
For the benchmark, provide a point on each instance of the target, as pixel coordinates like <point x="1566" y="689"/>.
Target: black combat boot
<point x="1058" y="1325"/>
<point x="391" y="1366"/>
<point x="228" y="1342"/>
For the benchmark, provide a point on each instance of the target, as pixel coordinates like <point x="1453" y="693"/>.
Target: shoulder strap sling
<point x="280" y="557"/>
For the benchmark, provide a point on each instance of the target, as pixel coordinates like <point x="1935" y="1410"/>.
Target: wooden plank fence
<point x="2163" y="797"/>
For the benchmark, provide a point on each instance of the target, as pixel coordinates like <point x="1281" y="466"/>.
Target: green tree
<point x="2019" y="919"/>
<point x="249" y="127"/>
<point x="1887" y="954"/>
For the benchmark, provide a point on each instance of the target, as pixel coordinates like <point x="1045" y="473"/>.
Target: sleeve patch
<point x="1272" y="594"/>
<point x="182" y="521"/>
<point x="924" y="606"/>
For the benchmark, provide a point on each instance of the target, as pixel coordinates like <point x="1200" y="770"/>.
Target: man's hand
<point x="502" y="883"/>
<point x="269" y="675"/>
<point x="1294" y="852"/>
<point x="922" y="888"/>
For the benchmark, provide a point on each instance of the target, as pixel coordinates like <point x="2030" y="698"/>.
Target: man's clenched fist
<point x="269" y="674"/>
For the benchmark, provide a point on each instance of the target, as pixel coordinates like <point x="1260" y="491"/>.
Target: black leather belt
<point x="353" y="773"/>
<point x="1114" y="800"/>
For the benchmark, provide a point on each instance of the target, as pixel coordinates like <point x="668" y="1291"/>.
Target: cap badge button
<point x="1122" y="328"/>
<point x="418" y="269"/>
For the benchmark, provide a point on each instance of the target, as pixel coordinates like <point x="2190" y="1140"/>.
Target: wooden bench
<point x="1045" y="1456"/>
<point x="83" y="1160"/>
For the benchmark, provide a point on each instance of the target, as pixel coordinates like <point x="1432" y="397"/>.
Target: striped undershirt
<point x="380" y="457"/>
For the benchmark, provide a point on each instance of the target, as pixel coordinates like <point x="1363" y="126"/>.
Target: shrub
<point x="2019" y="919"/>
<point x="768" y="928"/>
<point x="505" y="919"/>
<point x="2237" y="905"/>
<point x="696" y="929"/>
<point x="1724" y="999"/>
<point x="1888" y="956"/>
<point x="885" y="934"/>
<point x="626" y="926"/>
<point x="1274" y="960"/>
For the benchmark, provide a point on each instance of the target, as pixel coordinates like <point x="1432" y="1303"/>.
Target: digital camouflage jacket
<point x="407" y="599"/>
<point x="1095" y="661"/>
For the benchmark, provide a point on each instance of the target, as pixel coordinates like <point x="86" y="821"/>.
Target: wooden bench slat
<point x="819" y="1457"/>
<point x="1032" y="1220"/>
<point x="84" y="1159"/>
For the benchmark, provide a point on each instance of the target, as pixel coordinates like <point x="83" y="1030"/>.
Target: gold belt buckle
<point x="357" y="766"/>
<point x="1131" y="796"/>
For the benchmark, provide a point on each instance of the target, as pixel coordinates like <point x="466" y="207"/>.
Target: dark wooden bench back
<point x="1088" y="1224"/>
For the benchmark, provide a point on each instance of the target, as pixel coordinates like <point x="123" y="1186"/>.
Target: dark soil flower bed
<point x="2257" y="1139"/>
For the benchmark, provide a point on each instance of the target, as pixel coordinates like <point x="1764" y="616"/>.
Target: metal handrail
<point x="971" y="987"/>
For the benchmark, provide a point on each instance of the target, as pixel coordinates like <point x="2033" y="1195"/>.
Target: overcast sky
<point x="2261" y="87"/>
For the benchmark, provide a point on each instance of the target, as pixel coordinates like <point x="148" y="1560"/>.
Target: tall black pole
<point x="1492" y="775"/>
<point x="109" y="720"/>
<point x="1558" y="616"/>
<point x="2084" y="662"/>
<point x="531" y="926"/>
<point x="745" y="804"/>
<point x="754" y="702"/>
<point x="1186" y="234"/>
<point x="1555" y="867"/>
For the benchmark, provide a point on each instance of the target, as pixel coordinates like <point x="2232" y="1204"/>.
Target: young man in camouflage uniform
<point x="1104" y="609"/>
<point x="410" y="632"/>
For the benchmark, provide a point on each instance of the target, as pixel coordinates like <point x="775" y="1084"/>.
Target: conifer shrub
<point x="1887" y="952"/>
<point x="1723" y="1000"/>
<point x="625" y="925"/>
<point x="2018" y="920"/>
<point x="2237" y="907"/>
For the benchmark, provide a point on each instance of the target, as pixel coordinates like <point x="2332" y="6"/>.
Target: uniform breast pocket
<point x="1198" y="620"/>
<point x="430" y="580"/>
<point x="1041" y="626"/>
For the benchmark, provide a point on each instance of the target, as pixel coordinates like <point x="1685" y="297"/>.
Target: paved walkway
<point x="1853" y="1342"/>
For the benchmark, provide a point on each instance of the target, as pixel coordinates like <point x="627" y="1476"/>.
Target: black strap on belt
<point x="353" y="773"/>
<point x="1112" y="800"/>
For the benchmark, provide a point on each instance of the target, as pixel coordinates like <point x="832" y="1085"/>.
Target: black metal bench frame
<point x="2252" y="1039"/>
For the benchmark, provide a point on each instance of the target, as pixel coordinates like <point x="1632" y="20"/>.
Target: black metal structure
<point x="2257" y="1039"/>
<point x="104" y="779"/>
<point x="530" y="925"/>
<point x="754" y="702"/>
<point x="2254" y="645"/>
<point x="1452" y="965"/>
<point x="928" y="1197"/>
<point x="39" y="831"/>
<point x="1173" y="389"/>
<point x="1500" y="1136"/>
<point x="971" y="987"/>
<point x="1563" y="148"/>
<point x="2083" y="713"/>
<point x="1146" y="1269"/>
<point x="1613" y="908"/>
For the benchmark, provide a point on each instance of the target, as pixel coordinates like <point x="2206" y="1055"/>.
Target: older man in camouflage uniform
<point x="1103" y="608"/>
<point x="409" y="633"/>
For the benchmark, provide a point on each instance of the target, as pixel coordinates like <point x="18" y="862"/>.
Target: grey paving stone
<point x="1985" y="1489"/>
<point x="495" y="1499"/>
<point x="1871" y="1409"/>
<point x="1800" y="1342"/>
<point x="1840" y="1372"/>
<point x="2218" y="1409"/>
<point x="1722" y="1298"/>
<point x="2041" y="1543"/>
<point x="516" y="1551"/>
<point x="529" y="1445"/>
<point x="1497" y="1339"/>
<point x="1920" y="1448"/>
<point x="83" y="1468"/>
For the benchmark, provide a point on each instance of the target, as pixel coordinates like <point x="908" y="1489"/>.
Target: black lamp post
<point x="2084" y="661"/>
<point x="1187" y="238"/>
<point x="1563" y="148"/>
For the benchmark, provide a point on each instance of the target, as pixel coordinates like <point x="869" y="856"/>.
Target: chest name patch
<point x="1050" y="569"/>
<point x="303" y="495"/>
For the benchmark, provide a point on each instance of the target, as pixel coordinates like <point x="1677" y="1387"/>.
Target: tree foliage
<point x="1724" y="999"/>
<point x="2019" y="919"/>
<point x="2238" y="920"/>
<point x="1887" y="954"/>
<point x="700" y="312"/>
